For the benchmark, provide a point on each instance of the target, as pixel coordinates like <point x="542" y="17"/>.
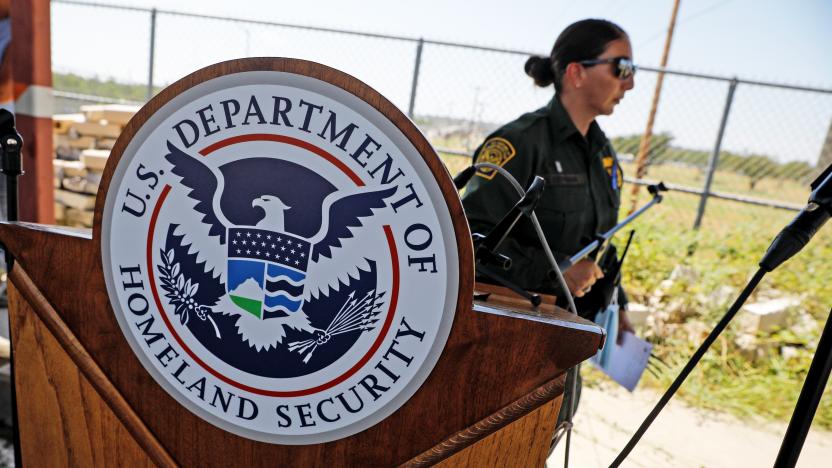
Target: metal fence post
<point x="152" y="53"/>
<point x="714" y="159"/>
<point x="413" y="86"/>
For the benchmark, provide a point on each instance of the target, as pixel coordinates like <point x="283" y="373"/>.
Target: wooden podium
<point x="85" y="399"/>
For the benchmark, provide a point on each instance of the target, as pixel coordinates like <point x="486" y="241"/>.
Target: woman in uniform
<point x="591" y="69"/>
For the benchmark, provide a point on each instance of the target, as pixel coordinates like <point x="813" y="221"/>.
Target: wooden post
<point x="31" y="65"/>
<point x="644" y="146"/>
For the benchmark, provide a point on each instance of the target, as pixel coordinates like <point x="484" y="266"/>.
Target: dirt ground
<point x="681" y="436"/>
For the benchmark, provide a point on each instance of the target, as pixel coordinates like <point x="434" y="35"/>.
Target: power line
<point x="684" y="20"/>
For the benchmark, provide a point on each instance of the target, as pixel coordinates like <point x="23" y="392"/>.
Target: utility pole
<point x="644" y="146"/>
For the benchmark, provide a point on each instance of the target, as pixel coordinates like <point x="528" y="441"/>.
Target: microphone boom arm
<point x="656" y="190"/>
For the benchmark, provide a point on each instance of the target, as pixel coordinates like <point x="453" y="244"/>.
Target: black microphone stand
<point x="819" y="369"/>
<point x="790" y="241"/>
<point x="11" y="166"/>
<point x="655" y="190"/>
<point x="808" y="401"/>
<point x="485" y="246"/>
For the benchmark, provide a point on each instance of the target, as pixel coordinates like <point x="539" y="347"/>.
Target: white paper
<point x="625" y="362"/>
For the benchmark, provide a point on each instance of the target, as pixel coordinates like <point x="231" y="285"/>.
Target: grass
<point x="724" y="253"/>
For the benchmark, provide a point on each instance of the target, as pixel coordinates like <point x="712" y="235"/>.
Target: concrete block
<point x="765" y="316"/>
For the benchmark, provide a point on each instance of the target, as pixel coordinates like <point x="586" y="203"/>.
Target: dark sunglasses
<point x="623" y="67"/>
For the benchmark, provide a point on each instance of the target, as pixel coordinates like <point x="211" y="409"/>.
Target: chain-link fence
<point x="737" y="154"/>
<point x="716" y="141"/>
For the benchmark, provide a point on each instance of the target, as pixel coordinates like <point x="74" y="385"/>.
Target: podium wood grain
<point x="522" y="444"/>
<point x="65" y="420"/>
<point x="495" y="368"/>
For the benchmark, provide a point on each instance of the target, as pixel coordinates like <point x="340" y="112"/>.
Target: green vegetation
<point x="753" y="167"/>
<point x="724" y="254"/>
<point x="73" y="83"/>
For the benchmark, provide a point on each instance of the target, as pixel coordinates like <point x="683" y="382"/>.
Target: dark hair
<point x="583" y="40"/>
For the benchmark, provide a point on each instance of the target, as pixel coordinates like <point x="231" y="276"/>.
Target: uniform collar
<point x="562" y="127"/>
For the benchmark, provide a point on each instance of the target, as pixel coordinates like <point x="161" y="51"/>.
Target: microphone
<point x="462" y="179"/>
<point x="485" y="248"/>
<point x="803" y="227"/>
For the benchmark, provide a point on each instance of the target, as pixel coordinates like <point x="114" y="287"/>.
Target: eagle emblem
<point x="287" y="284"/>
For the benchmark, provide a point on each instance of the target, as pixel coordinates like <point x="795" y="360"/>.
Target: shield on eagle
<point x="266" y="271"/>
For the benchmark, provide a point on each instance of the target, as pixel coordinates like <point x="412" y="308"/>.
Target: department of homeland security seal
<point x="279" y="255"/>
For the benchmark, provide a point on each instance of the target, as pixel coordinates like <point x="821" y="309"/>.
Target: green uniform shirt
<point x="581" y="196"/>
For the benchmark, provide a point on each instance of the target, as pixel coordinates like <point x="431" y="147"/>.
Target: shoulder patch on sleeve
<point x="497" y="151"/>
<point x="611" y="164"/>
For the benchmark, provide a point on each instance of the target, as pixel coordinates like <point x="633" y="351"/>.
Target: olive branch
<point x="181" y="292"/>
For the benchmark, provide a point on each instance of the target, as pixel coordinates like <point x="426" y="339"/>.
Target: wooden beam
<point x="31" y="69"/>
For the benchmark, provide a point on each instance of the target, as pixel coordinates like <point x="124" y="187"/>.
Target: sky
<point x="768" y="40"/>
<point x="773" y="40"/>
